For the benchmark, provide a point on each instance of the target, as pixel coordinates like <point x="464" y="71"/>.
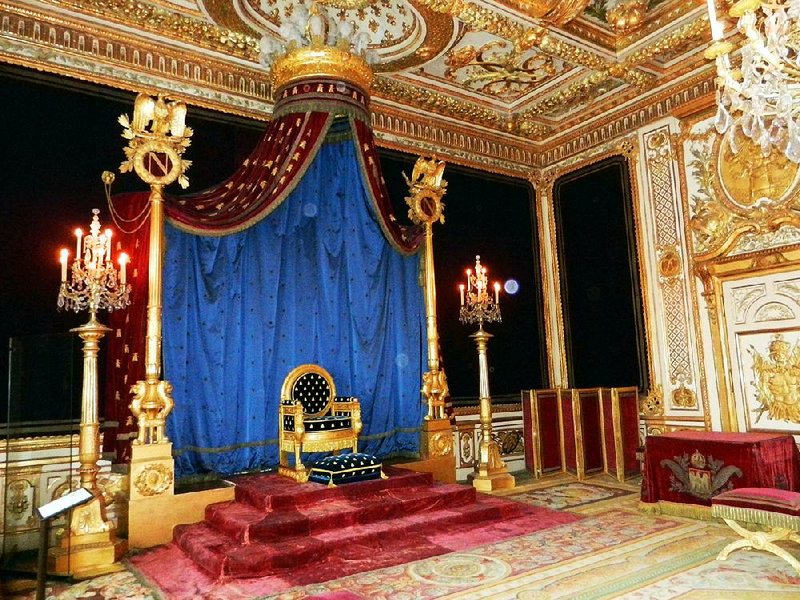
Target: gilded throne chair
<point x="312" y="418"/>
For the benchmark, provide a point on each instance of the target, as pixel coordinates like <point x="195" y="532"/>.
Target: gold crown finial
<point x="317" y="46"/>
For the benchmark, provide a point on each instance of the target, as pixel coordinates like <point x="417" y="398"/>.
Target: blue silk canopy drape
<point x="316" y="281"/>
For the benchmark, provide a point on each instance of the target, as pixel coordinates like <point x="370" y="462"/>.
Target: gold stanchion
<point x="426" y="188"/>
<point x="158" y="137"/>
<point x="90" y="546"/>
<point x="477" y="306"/>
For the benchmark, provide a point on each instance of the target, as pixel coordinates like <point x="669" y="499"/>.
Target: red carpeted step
<point x="205" y="545"/>
<point x="245" y="523"/>
<point x="272" y="491"/>
<point x="338" y="513"/>
<point x="426" y="522"/>
<point x="292" y="524"/>
<point x="221" y="556"/>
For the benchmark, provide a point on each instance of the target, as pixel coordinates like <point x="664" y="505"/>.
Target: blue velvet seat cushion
<point x="346" y="468"/>
<point x="329" y="423"/>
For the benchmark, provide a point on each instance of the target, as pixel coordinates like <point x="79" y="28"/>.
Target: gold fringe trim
<point x="676" y="509"/>
<point x="761" y="517"/>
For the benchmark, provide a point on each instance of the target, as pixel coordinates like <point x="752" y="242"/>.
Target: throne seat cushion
<point x="346" y="468"/>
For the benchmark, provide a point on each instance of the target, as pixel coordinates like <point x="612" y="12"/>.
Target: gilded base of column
<point x="493" y="473"/>
<point x="152" y="470"/>
<point x="436" y="439"/>
<point x="152" y="476"/>
<point x="90" y="548"/>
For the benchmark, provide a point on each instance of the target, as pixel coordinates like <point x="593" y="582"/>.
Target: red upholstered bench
<point x="774" y="513"/>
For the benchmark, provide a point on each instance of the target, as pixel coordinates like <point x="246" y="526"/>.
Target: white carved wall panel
<point x="762" y="320"/>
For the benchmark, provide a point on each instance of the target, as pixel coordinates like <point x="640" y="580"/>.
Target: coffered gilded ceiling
<point x="530" y="76"/>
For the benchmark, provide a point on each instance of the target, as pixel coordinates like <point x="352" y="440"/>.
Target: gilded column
<point x="158" y="137"/>
<point x="426" y="189"/>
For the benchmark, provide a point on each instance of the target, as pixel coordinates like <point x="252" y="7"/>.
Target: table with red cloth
<point x="690" y="467"/>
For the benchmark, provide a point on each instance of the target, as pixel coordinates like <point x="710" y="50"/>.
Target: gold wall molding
<point x="557" y="374"/>
<point x="652" y="404"/>
<point x="673" y="284"/>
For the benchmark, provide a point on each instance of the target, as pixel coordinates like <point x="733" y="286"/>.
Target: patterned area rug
<point x="615" y="552"/>
<point x="570" y="495"/>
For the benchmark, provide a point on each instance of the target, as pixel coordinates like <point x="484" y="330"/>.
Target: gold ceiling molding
<point x="162" y="21"/>
<point x="484" y="19"/>
<point x="640" y="113"/>
<point x="436" y="102"/>
<point x="417" y="133"/>
<point x="224" y="14"/>
<point x="557" y="12"/>
<point x="67" y="46"/>
<point x="696" y="31"/>
<point x="582" y="90"/>
<point x="663" y="17"/>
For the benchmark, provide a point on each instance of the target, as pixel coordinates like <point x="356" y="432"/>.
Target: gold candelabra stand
<point x="91" y="282"/>
<point x="478" y="304"/>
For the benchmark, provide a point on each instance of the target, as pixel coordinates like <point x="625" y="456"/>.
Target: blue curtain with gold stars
<point x="316" y="281"/>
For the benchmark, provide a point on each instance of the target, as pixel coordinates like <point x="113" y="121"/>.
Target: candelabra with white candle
<point x="478" y="304"/>
<point x="90" y="282"/>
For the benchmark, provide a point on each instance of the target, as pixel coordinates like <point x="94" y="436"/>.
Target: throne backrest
<point x="312" y="386"/>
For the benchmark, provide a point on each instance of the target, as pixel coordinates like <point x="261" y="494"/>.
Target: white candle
<point x="79" y="235"/>
<point x="108" y="239"/>
<point x="123" y="260"/>
<point x="64" y="255"/>
<point x="496" y="293"/>
<point x="461" y="289"/>
<point x="469" y="282"/>
<point x="716" y="26"/>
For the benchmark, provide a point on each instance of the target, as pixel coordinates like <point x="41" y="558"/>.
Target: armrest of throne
<point x="291" y="415"/>
<point x="348" y="405"/>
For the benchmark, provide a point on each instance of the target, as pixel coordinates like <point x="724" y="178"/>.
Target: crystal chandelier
<point x="761" y="99"/>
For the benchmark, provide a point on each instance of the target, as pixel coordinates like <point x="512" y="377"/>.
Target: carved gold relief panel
<point x="762" y="321"/>
<point x="739" y="200"/>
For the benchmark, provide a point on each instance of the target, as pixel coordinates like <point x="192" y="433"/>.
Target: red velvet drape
<point x="125" y="354"/>
<point x="263" y="181"/>
<point x="303" y="115"/>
